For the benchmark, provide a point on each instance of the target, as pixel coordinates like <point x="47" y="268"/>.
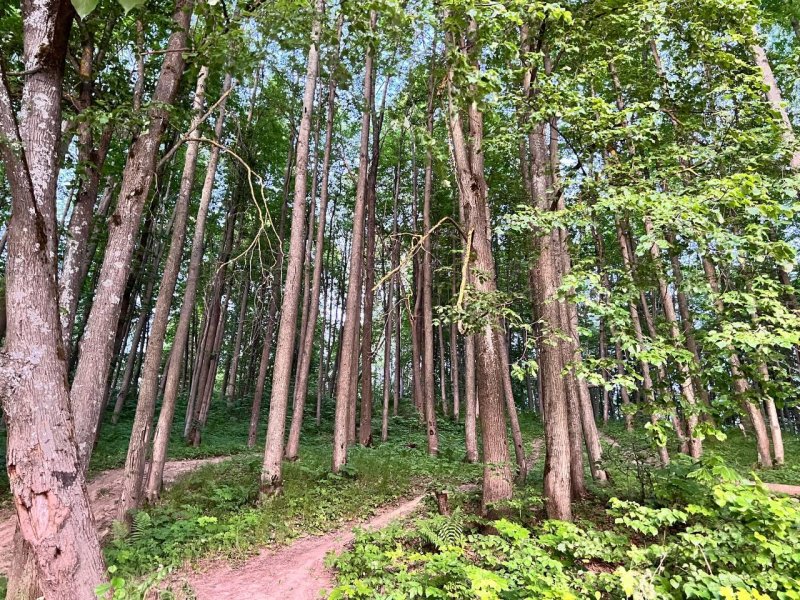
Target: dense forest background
<point x="549" y="247"/>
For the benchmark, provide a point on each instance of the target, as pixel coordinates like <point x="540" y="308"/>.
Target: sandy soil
<point x="103" y="496"/>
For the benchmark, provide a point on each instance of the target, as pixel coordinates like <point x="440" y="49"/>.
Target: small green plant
<point x="119" y="588"/>
<point x="733" y="541"/>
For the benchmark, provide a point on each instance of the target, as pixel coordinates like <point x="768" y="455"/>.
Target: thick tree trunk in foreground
<point x="271" y="472"/>
<point x="56" y="535"/>
<point x="98" y="339"/>
<point x="345" y="383"/>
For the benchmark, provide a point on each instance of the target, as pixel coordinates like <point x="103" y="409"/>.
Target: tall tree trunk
<point x="389" y="289"/>
<point x="345" y="385"/>
<point x="133" y="476"/>
<point x="776" y="101"/>
<point x="271" y="472"/>
<point x="230" y="388"/>
<point x="272" y="311"/>
<point x="427" y="280"/>
<point x="388" y="293"/>
<point x="489" y="377"/>
<point x="365" y="416"/>
<point x="216" y="324"/>
<point x="544" y="286"/>
<point x="307" y="336"/>
<point x="56" y="539"/>
<point x="97" y="344"/>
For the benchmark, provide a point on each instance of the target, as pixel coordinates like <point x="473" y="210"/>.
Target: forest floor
<point x="103" y="498"/>
<point x="296" y="571"/>
<point x="210" y="537"/>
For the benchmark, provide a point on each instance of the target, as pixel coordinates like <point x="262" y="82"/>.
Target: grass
<point x="215" y="510"/>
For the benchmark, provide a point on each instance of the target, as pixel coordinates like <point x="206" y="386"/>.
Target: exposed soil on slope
<point x="293" y="572"/>
<point x="103" y="497"/>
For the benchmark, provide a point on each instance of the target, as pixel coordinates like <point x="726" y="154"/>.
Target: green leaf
<point x="84" y="7"/>
<point x="129" y="5"/>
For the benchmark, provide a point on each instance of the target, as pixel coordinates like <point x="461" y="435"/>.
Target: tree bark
<point x="468" y="160"/>
<point x="141" y="432"/>
<point x="345" y="385"/>
<point x="271" y="472"/>
<point x="98" y="339"/>
<point x="56" y="531"/>
<point x="307" y="336"/>
<point x="427" y="281"/>
<point x="365" y="416"/>
<point x="776" y="100"/>
<point x="272" y="311"/>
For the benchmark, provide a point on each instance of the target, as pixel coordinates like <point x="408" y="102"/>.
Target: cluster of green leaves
<point x="730" y="541"/>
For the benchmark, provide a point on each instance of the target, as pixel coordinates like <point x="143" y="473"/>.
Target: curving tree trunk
<point x="141" y="432"/>
<point x="98" y="339"/>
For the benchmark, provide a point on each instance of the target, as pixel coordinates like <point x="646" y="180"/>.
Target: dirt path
<point x="103" y="496"/>
<point x="294" y="572"/>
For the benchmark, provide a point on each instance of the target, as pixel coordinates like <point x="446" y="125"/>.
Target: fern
<point x="141" y="523"/>
<point x="443" y="532"/>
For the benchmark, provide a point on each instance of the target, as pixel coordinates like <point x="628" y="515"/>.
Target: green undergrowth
<point x="216" y="509"/>
<point x="710" y="536"/>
